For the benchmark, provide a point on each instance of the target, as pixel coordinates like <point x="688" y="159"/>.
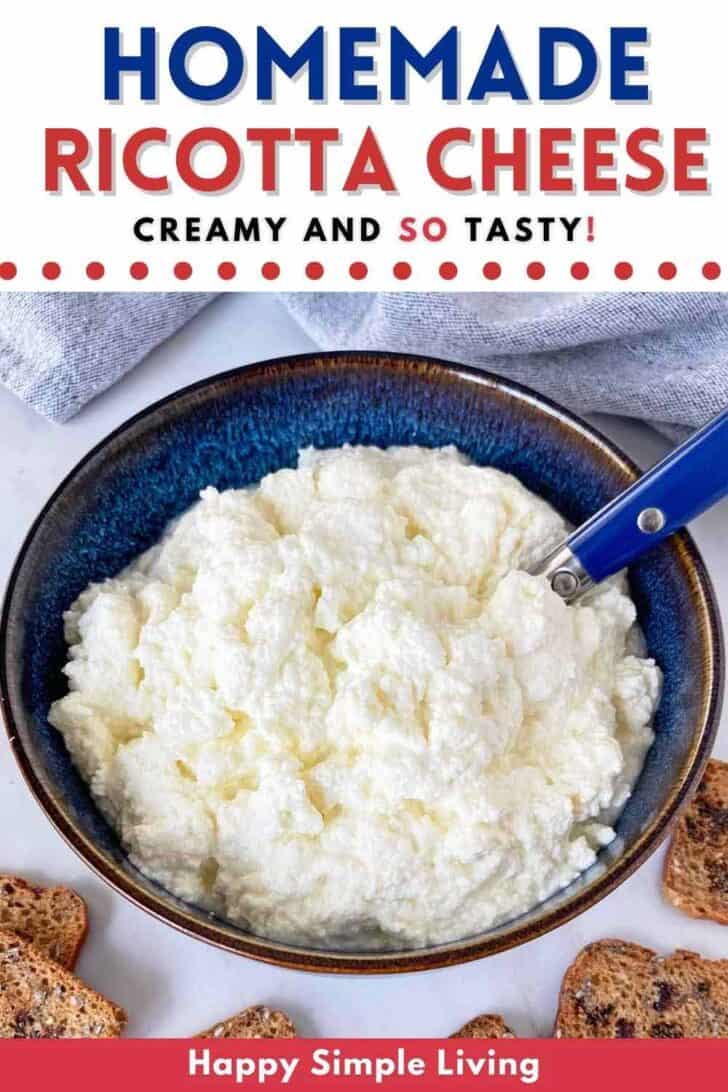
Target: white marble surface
<point x="173" y="985"/>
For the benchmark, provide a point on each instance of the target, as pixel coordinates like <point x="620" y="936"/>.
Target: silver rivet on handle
<point x="564" y="583"/>
<point x="651" y="520"/>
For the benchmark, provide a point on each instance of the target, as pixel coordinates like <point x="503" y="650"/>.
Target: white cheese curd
<point x="334" y="709"/>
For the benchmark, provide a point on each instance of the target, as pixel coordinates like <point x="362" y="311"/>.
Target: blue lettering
<point x="549" y="89"/>
<point x="145" y="64"/>
<point x="403" y="55"/>
<point x="350" y="90"/>
<point x="621" y="64"/>
<point x="486" y="82"/>
<point x="310" y="53"/>
<point x="233" y="55"/>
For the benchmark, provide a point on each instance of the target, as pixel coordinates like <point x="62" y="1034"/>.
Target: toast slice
<point x="39" y="999"/>
<point x="618" y="990"/>
<point x="695" y="879"/>
<point x="485" y="1027"/>
<point x="257" y="1022"/>
<point x="53" y="919"/>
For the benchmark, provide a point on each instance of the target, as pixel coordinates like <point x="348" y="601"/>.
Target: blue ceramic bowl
<point x="231" y="430"/>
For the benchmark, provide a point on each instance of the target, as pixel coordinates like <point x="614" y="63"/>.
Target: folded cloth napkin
<point x="660" y="357"/>
<point x="58" y="350"/>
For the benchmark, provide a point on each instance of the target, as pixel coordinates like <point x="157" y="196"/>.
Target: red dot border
<point x="533" y="271"/>
<point x="227" y="271"/>
<point x="315" y="271"/>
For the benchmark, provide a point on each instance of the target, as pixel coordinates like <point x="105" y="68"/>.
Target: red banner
<point x="168" y="1065"/>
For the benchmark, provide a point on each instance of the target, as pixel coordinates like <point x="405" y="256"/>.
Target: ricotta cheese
<point x="333" y="708"/>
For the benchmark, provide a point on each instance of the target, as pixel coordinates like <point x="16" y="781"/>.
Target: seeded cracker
<point x="41" y="1000"/>
<point x="257" y="1022"/>
<point x="618" y="990"/>
<point x="696" y="866"/>
<point x="53" y="919"/>
<point x="485" y="1027"/>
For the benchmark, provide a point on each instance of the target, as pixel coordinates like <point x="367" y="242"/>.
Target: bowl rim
<point x="229" y="937"/>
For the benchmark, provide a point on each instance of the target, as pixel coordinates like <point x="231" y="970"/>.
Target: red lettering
<point x="685" y="160"/>
<point x="595" y="160"/>
<point x="517" y="161"/>
<point x="106" y="161"/>
<point x="439" y="146"/>
<point x="71" y="161"/>
<point x="434" y="229"/>
<point x="186" y="153"/>
<point x="369" y="167"/>
<point x="133" y="149"/>
<point x="317" y="139"/>
<point x="655" y="170"/>
<point x="551" y="159"/>
<point x="269" y="139"/>
<point x="408" y="231"/>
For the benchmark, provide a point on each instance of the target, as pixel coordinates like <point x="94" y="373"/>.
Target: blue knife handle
<point x="689" y="480"/>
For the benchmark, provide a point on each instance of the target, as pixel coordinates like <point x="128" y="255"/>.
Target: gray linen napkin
<point x="58" y="350"/>
<point x="661" y="357"/>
